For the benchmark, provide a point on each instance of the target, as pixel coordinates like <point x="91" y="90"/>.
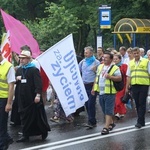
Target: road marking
<point x="86" y="138"/>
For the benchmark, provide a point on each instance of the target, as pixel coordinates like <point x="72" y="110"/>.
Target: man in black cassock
<point x="30" y="104"/>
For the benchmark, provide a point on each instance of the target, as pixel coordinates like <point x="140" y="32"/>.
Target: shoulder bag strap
<point x="109" y="79"/>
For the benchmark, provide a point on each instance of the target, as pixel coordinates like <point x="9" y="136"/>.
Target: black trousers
<point x="15" y="115"/>
<point x="4" y="136"/>
<point x="140" y="94"/>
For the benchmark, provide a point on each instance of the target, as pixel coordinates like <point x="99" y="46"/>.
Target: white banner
<point x="60" y="64"/>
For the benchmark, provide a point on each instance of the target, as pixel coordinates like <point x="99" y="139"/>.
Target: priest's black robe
<point x="33" y="116"/>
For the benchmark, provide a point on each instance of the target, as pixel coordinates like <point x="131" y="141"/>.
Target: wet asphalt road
<point x="75" y="136"/>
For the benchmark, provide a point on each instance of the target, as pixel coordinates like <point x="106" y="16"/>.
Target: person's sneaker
<point x="69" y="119"/>
<point x="44" y="135"/>
<point x="117" y="115"/>
<point x="12" y="123"/>
<point x="138" y="125"/>
<point x="54" y="119"/>
<point x="89" y="125"/>
<point x="9" y="141"/>
<point x="20" y="133"/>
<point x="23" y="139"/>
<point x="122" y="116"/>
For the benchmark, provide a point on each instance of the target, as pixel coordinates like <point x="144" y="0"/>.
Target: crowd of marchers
<point x="24" y="90"/>
<point x="132" y="66"/>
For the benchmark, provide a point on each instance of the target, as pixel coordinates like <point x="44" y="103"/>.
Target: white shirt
<point x="124" y="58"/>
<point x="126" y="61"/>
<point x="102" y="78"/>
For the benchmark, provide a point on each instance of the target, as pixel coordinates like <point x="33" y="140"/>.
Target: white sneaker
<point x="121" y="116"/>
<point x="20" y="133"/>
<point x="117" y="116"/>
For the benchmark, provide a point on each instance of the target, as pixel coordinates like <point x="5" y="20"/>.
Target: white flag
<point x="60" y="64"/>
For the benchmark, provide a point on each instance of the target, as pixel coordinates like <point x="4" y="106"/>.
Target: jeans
<point x="4" y="137"/>
<point x="140" y="95"/>
<point x="90" y="104"/>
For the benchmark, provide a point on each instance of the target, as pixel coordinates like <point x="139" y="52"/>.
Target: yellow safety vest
<point x="109" y="87"/>
<point x="4" y="68"/>
<point x="139" y="73"/>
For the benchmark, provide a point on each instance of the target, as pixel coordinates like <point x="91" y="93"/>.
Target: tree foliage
<point x="59" y="23"/>
<point x="51" y="21"/>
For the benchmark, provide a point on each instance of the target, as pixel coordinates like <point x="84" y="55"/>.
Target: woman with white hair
<point x="142" y="52"/>
<point x="148" y="54"/>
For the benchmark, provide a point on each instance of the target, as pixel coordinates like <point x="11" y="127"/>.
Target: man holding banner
<point x="88" y="68"/>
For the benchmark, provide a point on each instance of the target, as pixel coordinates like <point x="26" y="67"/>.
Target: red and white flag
<point x="5" y="46"/>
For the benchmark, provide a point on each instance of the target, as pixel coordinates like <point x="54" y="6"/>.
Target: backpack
<point x="119" y="85"/>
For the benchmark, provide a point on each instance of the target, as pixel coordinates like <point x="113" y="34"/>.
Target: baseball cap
<point x="25" y="54"/>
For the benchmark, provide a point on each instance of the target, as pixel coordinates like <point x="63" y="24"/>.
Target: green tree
<point x="59" y="23"/>
<point x="78" y="17"/>
<point x="49" y="22"/>
<point x="25" y="9"/>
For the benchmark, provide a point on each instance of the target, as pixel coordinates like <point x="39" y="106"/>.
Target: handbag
<point x="126" y="98"/>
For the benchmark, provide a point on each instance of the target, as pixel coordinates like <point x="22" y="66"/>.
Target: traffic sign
<point x="105" y="17"/>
